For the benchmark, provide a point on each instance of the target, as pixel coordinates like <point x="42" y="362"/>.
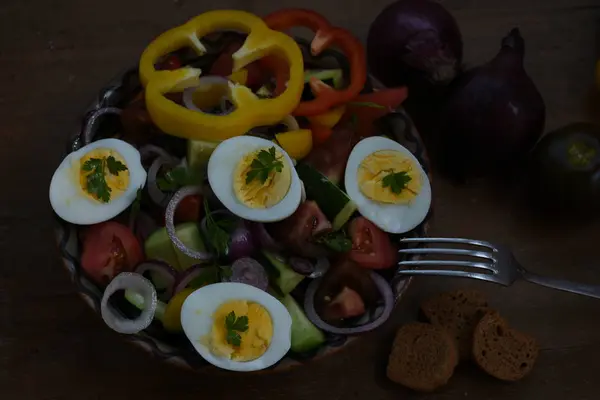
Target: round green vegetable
<point x="565" y="168"/>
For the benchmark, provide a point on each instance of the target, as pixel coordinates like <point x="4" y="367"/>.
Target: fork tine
<point x="455" y="274"/>
<point x="449" y="240"/>
<point x="459" y="252"/>
<point x="467" y="264"/>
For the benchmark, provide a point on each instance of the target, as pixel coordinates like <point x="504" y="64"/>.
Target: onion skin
<point x="415" y="43"/>
<point x="494" y="117"/>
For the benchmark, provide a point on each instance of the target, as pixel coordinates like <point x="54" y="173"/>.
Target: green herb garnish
<point x="96" y="179"/>
<point x="233" y="326"/>
<point x="336" y="241"/>
<point x="396" y="181"/>
<point x="218" y="231"/>
<point x="263" y="164"/>
<point x="366" y="104"/>
<point x="177" y="178"/>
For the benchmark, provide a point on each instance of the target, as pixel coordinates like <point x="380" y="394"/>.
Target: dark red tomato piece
<point x="189" y="209"/>
<point x="109" y="248"/>
<point x="371" y="247"/>
<point x="346" y="304"/>
<point x="223" y="66"/>
<point x="297" y="232"/>
<point x="172" y="62"/>
<point x="365" y="114"/>
<point x="330" y="157"/>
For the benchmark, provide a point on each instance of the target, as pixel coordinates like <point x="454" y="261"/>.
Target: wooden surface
<point x="55" y="54"/>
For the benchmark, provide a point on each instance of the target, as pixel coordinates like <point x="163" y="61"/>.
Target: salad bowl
<point x="101" y="120"/>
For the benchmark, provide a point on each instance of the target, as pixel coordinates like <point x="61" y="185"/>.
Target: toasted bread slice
<point x="423" y="357"/>
<point x="501" y="351"/>
<point x="458" y="312"/>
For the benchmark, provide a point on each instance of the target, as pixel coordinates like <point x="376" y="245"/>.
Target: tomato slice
<point x="371" y="247"/>
<point x="189" y="209"/>
<point x="320" y="133"/>
<point x="346" y="304"/>
<point x="109" y="248"/>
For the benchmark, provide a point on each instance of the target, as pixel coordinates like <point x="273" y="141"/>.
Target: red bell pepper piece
<point x="366" y="108"/>
<point x="325" y="36"/>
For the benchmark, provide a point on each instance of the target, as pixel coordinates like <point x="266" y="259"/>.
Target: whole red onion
<point x="494" y="116"/>
<point x="415" y="43"/>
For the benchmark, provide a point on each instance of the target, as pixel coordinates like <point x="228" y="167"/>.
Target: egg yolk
<point x="253" y="342"/>
<point x="377" y="166"/>
<point x="258" y="194"/>
<point x="117" y="183"/>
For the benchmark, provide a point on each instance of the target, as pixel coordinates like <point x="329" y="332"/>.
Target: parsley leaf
<point x="265" y="162"/>
<point x="396" y="181"/>
<point x="336" y="241"/>
<point x="218" y="231"/>
<point x="235" y="325"/>
<point x="176" y="179"/>
<point x="114" y="166"/>
<point x="96" y="176"/>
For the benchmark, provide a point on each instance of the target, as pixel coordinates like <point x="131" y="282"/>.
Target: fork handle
<point x="561" y="284"/>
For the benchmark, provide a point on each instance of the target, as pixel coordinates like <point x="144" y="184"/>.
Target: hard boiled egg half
<point x="237" y="327"/>
<point x="255" y="179"/>
<point x="97" y="182"/>
<point x="387" y="184"/>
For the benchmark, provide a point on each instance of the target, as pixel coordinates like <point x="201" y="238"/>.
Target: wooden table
<point x="55" y="54"/>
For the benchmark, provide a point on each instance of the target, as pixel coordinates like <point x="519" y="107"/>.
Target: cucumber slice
<point x="285" y="277"/>
<point x="333" y="201"/>
<point x="189" y="234"/>
<point x="158" y="246"/>
<point x="305" y="336"/>
<point x="138" y="301"/>
<point x="198" y="153"/>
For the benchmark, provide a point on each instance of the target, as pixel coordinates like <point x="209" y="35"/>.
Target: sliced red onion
<point x="163" y="276"/>
<point x="159" y="197"/>
<point x="262" y="236"/>
<point x="142" y="224"/>
<point x="170" y="225"/>
<point x="290" y="122"/>
<point x="138" y="284"/>
<point x="388" y="304"/>
<point x="188" y="276"/>
<point x="242" y="243"/>
<point x="150" y="150"/>
<point x="309" y="268"/>
<point x="90" y="127"/>
<point x="249" y="271"/>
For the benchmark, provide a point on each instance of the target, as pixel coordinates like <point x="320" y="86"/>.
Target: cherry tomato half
<point x="371" y="247"/>
<point x="189" y="209"/>
<point x="109" y="248"/>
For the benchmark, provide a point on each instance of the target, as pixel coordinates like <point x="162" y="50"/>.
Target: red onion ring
<point x="262" y="236"/>
<point x="388" y="300"/>
<point x="187" y="276"/>
<point x="249" y="271"/>
<point x="138" y="284"/>
<point x="89" y="129"/>
<point x="149" y="150"/>
<point x="163" y="273"/>
<point x="309" y="269"/>
<point x="170" y="225"/>
<point x="159" y="197"/>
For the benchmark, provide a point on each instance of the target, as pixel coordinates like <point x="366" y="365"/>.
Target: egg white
<point x="391" y="218"/>
<point x="197" y="321"/>
<point x="221" y="167"/>
<point x="67" y="197"/>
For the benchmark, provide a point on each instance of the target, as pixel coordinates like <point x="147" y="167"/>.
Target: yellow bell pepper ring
<point x="250" y="111"/>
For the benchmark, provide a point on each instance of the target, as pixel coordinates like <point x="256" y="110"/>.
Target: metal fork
<point x="496" y="263"/>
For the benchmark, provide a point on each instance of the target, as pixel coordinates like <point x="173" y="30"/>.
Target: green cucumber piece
<point x="189" y="234"/>
<point x="138" y="301"/>
<point x="305" y="336"/>
<point x="199" y="152"/>
<point x="158" y="246"/>
<point x="285" y="277"/>
<point x="333" y="201"/>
